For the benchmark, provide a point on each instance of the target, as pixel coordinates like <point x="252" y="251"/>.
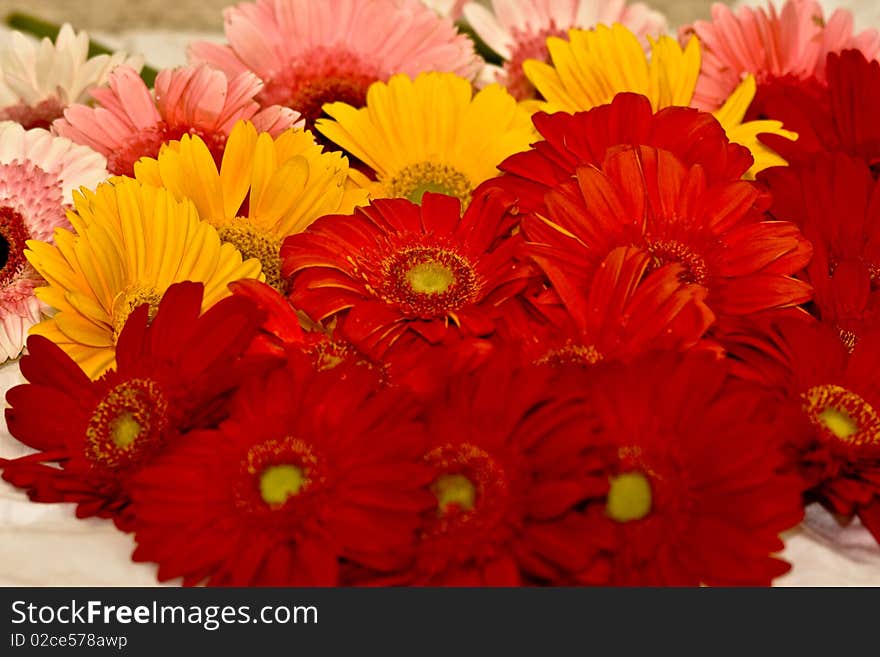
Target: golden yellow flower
<point x="593" y="66"/>
<point x="129" y="244"/>
<point x="431" y="134"/>
<point x="286" y="184"/>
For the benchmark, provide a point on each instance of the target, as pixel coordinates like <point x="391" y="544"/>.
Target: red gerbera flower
<point x="173" y="374"/>
<point x="647" y="197"/>
<point x="585" y="138"/>
<point x="628" y="310"/>
<point x="395" y="269"/>
<point x="843" y="118"/>
<point x="828" y="398"/>
<point x="695" y="495"/>
<point x="505" y="446"/>
<point x="836" y="202"/>
<point x="311" y="467"/>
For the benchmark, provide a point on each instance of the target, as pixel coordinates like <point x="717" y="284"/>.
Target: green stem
<point x="40" y="28"/>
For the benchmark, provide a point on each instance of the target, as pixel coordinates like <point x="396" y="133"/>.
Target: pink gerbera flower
<point x="38" y="172"/>
<point x="311" y="52"/>
<point x="37" y="81"/>
<point x="785" y="47"/>
<point x="518" y="30"/>
<point x="131" y="123"/>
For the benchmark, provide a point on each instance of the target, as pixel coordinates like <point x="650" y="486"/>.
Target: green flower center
<point x="278" y="483"/>
<point x="124" y="430"/>
<point x="454" y="490"/>
<point x="629" y="497"/>
<point x="842" y="416"/>
<point x="430" y="277"/>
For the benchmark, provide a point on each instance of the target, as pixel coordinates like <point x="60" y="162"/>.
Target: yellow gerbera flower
<point x="595" y="65"/>
<point x="431" y="134"/>
<point x="131" y="242"/>
<point x="288" y="183"/>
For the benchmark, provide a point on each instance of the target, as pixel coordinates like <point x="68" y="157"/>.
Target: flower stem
<point x="40" y="28"/>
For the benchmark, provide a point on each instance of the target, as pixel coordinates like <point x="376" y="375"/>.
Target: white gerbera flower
<point x="39" y="80"/>
<point x="38" y="172"/>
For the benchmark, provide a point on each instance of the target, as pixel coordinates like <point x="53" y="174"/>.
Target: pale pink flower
<point x="37" y="81"/>
<point x="130" y="122"/>
<point x="38" y="172"/>
<point x="791" y="44"/>
<point x="518" y="30"/>
<point x="311" y="52"/>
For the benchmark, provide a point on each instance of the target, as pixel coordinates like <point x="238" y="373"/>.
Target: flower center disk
<point x="414" y="181"/>
<point x="257" y="244"/>
<point x="276" y="474"/>
<point x="128" y="424"/>
<point x="128" y="301"/>
<point x="667" y="251"/>
<point x="428" y="282"/>
<point x="629" y="497"/>
<point x="472" y="489"/>
<point x="13" y="238"/>
<point x="278" y="483"/>
<point x="323" y="75"/>
<point x="842" y="417"/>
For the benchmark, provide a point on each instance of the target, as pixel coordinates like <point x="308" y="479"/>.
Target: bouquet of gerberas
<point x="367" y="296"/>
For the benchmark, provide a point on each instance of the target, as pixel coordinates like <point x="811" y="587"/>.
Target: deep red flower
<point x="310" y="468"/>
<point x="628" y="309"/>
<point x="836" y="202"/>
<point x="585" y="138"/>
<point x="395" y="270"/>
<point x="827" y="397"/>
<point x="506" y="446"/>
<point x="647" y="197"/>
<point x="842" y="119"/>
<point x="695" y="494"/>
<point x="173" y="374"/>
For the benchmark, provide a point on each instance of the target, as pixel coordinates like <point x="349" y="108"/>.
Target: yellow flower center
<point x="414" y="181"/>
<point x="629" y="497"/>
<point x="842" y="416"/>
<point x="430" y="277"/>
<point x="666" y="251"/>
<point x="257" y="244"/>
<point x="127" y="424"/>
<point x="278" y="483"/>
<point x="124" y="430"/>
<point x="129" y="300"/>
<point x="429" y="282"/>
<point x="575" y="354"/>
<point x="454" y="490"/>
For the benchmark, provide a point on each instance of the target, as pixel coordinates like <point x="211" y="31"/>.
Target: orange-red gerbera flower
<point x="506" y="446"/>
<point x="628" y="309"/>
<point x="649" y="198"/>
<point x="826" y="397"/>
<point x="836" y="202"/>
<point x="172" y="375"/>
<point x="696" y="493"/>
<point x="841" y="118"/>
<point x="310" y="468"/>
<point x="585" y="138"/>
<point x="396" y="269"/>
